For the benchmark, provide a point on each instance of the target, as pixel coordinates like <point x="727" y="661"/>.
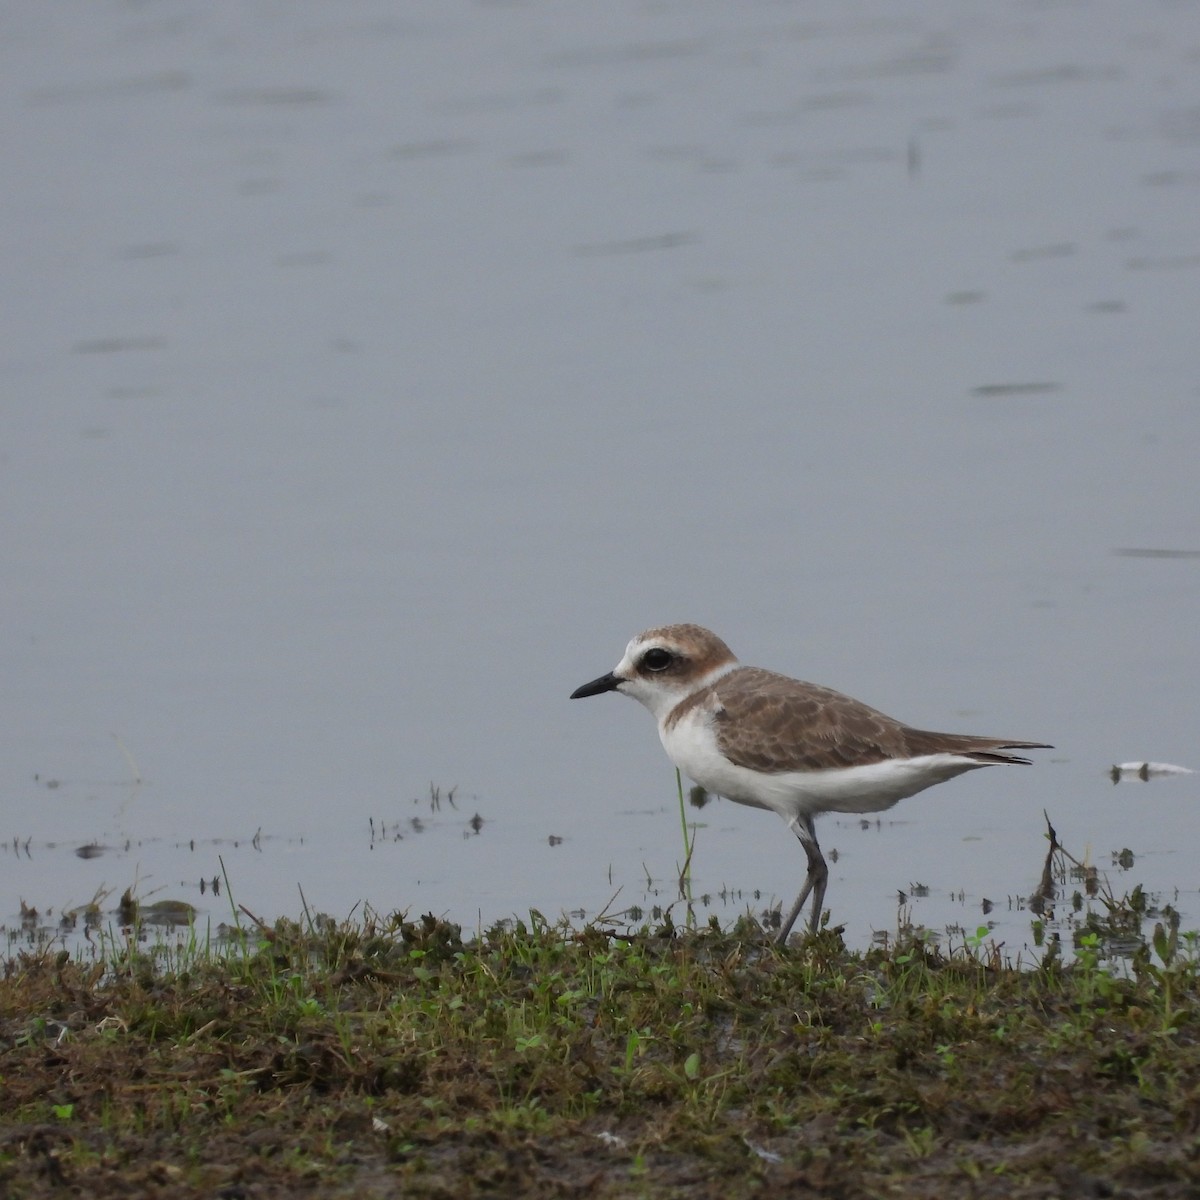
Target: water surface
<point x="371" y="373"/>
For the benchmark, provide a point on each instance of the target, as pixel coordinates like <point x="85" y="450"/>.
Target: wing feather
<point x="771" y="723"/>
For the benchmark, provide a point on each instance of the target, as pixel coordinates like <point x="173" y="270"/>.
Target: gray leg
<point x="814" y="881"/>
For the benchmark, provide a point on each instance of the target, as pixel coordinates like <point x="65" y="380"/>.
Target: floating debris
<point x="91" y="850"/>
<point x="637" y="245"/>
<point x="167" y="912"/>
<point x="119" y="345"/>
<point x="1123" y="945"/>
<point x="1145" y="771"/>
<point x="436" y="797"/>
<point x="1015" y="389"/>
<point x="131" y="911"/>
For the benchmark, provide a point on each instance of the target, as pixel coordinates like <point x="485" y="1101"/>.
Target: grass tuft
<point x="389" y="1055"/>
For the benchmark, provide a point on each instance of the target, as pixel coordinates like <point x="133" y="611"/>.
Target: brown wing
<point x="768" y="722"/>
<point x="771" y="723"/>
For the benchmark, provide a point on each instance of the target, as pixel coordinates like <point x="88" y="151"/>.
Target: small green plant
<point x="689" y="844"/>
<point x="975" y="941"/>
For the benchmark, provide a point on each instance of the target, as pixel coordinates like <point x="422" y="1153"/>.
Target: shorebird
<point x="795" y="748"/>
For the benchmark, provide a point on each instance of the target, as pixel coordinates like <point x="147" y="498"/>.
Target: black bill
<point x="606" y="683"/>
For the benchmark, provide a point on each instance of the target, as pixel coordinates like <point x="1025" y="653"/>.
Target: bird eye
<point x="657" y="659"/>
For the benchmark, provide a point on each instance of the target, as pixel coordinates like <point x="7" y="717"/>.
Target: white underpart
<point x="692" y="747"/>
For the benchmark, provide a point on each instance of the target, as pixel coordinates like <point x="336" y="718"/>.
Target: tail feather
<point x="994" y="756"/>
<point x="984" y="750"/>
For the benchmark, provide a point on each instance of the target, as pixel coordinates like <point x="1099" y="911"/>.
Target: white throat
<point x="661" y="696"/>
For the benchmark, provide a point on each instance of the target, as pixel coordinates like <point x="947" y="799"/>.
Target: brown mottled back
<point x="771" y="723"/>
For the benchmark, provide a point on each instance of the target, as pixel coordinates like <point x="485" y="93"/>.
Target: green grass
<point x="388" y="1056"/>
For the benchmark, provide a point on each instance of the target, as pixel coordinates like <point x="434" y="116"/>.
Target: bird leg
<point x="814" y="881"/>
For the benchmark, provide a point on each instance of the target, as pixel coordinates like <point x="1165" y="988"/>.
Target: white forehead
<point x="632" y="651"/>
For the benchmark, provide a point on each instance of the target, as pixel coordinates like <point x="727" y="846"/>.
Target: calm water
<point x="372" y="372"/>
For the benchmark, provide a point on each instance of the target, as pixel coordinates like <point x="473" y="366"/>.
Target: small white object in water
<point x="1145" y="771"/>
